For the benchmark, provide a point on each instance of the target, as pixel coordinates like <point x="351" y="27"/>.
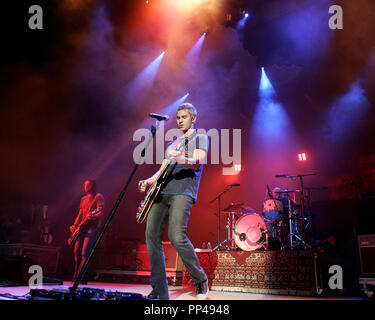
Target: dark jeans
<point x="82" y="249"/>
<point x="174" y="209"/>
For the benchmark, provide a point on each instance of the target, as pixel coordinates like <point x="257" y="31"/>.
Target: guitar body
<point x="81" y="227"/>
<point x="146" y="204"/>
<point x="73" y="237"/>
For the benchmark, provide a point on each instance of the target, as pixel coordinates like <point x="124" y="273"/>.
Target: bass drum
<point x="250" y="232"/>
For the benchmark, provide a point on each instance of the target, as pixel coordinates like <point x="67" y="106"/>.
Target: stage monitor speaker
<point x="366" y="244"/>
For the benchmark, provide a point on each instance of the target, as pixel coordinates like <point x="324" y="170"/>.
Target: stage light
<point x="302" y="156"/>
<point x="143" y="81"/>
<point x="241" y="23"/>
<point x="171" y="109"/>
<point x="271" y="124"/>
<point x="193" y="54"/>
<point x="237" y="167"/>
<point x="346" y="114"/>
<point x="265" y="87"/>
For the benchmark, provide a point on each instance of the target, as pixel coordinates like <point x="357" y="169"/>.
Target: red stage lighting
<point x="302" y="156"/>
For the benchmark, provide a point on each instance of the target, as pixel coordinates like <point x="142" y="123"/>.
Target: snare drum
<point x="250" y="232"/>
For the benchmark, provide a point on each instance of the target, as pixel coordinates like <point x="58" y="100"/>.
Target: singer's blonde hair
<point x="189" y="107"/>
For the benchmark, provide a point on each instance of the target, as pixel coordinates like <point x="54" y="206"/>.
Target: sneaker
<point x="153" y="295"/>
<point x="202" y="290"/>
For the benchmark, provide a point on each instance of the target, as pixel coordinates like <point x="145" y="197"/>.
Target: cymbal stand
<point x="294" y="233"/>
<point x="230" y="229"/>
<point x="218" y="198"/>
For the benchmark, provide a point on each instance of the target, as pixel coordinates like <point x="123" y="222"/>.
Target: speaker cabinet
<point x="172" y="260"/>
<point x="366" y="244"/>
<point x="45" y="256"/>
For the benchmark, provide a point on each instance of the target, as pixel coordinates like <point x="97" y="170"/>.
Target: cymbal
<point x="285" y="191"/>
<point x="239" y="208"/>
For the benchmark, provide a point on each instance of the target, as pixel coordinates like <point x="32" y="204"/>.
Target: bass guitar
<point x="82" y="225"/>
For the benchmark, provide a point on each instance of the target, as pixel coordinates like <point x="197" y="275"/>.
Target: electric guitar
<point x="81" y="227"/>
<point x="146" y="204"/>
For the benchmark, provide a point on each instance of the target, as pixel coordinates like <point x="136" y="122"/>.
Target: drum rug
<point x="266" y="272"/>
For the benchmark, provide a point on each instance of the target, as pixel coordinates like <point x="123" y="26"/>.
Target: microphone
<point x="158" y="116"/>
<point x="281" y="175"/>
<point x="234" y="185"/>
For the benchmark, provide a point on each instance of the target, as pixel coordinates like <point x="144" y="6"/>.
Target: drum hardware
<point x="293" y="232"/>
<point x="238" y="208"/>
<point x="218" y="198"/>
<point x="229" y="242"/>
<point x="242" y="236"/>
<point x="300" y="177"/>
<point x="286" y="191"/>
<point x="230" y="227"/>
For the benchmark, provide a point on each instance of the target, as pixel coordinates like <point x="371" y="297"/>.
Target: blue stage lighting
<point x="265" y="87"/>
<point x="193" y="54"/>
<point x="241" y="23"/>
<point x="271" y="121"/>
<point x="171" y="109"/>
<point x="346" y="114"/>
<point x="143" y="81"/>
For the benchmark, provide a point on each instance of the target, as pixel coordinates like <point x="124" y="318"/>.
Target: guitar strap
<point x="186" y="142"/>
<point x="92" y="203"/>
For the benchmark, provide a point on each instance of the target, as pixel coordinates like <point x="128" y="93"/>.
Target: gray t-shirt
<point x="183" y="180"/>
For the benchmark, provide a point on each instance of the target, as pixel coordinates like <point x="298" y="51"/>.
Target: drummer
<point x="277" y="193"/>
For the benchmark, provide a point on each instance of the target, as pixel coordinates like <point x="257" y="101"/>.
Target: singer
<point x="174" y="203"/>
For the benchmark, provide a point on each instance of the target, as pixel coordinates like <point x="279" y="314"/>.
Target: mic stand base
<point x="220" y="245"/>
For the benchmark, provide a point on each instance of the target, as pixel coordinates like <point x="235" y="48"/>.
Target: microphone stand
<point x="218" y="197"/>
<point x="113" y="211"/>
<point x="300" y="176"/>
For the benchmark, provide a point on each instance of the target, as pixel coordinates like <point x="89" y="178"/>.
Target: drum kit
<point x="276" y="228"/>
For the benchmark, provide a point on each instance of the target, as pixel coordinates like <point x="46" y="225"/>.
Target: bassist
<point x="87" y="222"/>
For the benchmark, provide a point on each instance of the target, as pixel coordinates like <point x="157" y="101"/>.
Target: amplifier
<point x="172" y="260"/>
<point x="366" y="244"/>
<point x="14" y="270"/>
<point x="45" y="256"/>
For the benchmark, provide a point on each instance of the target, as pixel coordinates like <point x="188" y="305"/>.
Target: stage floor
<point x="176" y="292"/>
